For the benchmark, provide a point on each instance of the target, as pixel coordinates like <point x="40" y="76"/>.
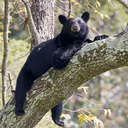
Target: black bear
<point x="55" y="53"/>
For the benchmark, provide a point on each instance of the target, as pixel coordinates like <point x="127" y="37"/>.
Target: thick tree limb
<point x="43" y="17"/>
<point x="55" y="86"/>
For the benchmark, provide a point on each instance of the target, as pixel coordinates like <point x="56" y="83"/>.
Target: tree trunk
<point x="43" y="16"/>
<point x="5" y="54"/>
<point x="55" y="86"/>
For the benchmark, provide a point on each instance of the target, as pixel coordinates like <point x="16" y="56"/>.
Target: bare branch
<point x="34" y="31"/>
<point x="70" y="8"/>
<point x="5" y="54"/>
<point x="10" y="81"/>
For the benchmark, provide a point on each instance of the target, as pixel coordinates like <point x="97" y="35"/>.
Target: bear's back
<point x="40" y="58"/>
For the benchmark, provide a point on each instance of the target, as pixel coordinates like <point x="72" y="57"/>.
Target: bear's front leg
<point x="62" y="56"/>
<point x="100" y="37"/>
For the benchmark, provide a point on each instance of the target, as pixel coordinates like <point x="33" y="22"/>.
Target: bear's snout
<point x="75" y="27"/>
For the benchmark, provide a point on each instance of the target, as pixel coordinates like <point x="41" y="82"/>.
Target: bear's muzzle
<point x="75" y="27"/>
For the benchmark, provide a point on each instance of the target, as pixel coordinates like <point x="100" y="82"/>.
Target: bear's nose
<point x="75" y="28"/>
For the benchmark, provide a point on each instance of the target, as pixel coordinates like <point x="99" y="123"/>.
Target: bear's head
<point x="75" y="28"/>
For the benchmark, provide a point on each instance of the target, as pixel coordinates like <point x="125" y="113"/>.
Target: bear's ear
<point x="85" y="16"/>
<point x="62" y="19"/>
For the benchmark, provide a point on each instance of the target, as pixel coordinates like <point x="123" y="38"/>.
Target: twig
<point x="63" y="9"/>
<point x="70" y="8"/>
<point x="10" y="81"/>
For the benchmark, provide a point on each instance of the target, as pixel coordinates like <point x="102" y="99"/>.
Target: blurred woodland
<point x="102" y="101"/>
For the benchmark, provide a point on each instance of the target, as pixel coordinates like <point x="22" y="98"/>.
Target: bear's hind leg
<point x="56" y="113"/>
<point x="24" y="83"/>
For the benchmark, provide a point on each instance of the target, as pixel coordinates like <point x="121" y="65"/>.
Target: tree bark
<point x="5" y="54"/>
<point x="55" y="86"/>
<point x="43" y="16"/>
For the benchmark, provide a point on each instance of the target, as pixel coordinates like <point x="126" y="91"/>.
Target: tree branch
<point x="55" y="86"/>
<point x="70" y="7"/>
<point x="34" y="31"/>
<point x="6" y="50"/>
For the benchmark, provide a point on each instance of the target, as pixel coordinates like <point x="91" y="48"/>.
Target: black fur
<point x="55" y="53"/>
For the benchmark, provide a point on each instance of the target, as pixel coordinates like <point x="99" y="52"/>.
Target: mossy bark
<point x="55" y="86"/>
